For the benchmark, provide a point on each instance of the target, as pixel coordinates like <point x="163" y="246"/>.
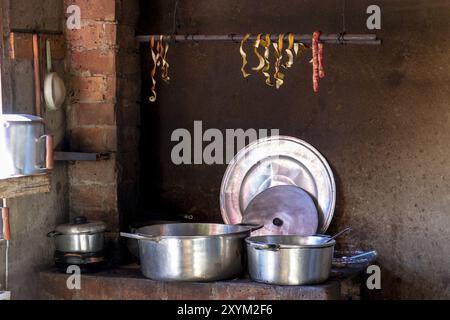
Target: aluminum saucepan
<point x="192" y="251"/>
<point x="79" y="236"/>
<point x="290" y="260"/>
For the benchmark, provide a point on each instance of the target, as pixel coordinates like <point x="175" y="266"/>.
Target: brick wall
<point x="104" y="112"/>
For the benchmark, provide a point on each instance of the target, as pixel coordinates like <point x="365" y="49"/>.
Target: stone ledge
<point x="127" y="283"/>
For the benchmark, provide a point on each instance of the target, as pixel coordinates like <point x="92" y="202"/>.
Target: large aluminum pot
<point x="192" y="251"/>
<point x="79" y="236"/>
<point x="24" y="149"/>
<point x="290" y="260"/>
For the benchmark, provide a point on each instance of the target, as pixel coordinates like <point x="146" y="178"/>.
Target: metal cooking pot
<point x="290" y="260"/>
<point x="192" y="251"/>
<point x="24" y="149"/>
<point x="81" y="236"/>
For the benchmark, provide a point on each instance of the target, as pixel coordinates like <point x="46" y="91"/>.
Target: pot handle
<point x="369" y="255"/>
<point x="49" y="162"/>
<point x="268" y="246"/>
<point x="136" y="236"/>
<point x="53" y="234"/>
<point x="251" y="226"/>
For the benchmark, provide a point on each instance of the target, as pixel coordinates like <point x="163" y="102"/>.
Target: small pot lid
<point x="284" y="210"/>
<point x="19" y="118"/>
<point x="81" y="225"/>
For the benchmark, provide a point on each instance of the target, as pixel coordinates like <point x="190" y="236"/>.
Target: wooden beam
<point x="25" y="185"/>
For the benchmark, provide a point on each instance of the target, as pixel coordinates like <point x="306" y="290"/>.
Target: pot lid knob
<point x="278" y="222"/>
<point x="80" y="220"/>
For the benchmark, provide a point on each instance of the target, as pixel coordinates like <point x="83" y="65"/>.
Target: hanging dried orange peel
<point x="258" y="55"/>
<point x="244" y="55"/>
<point x="289" y="52"/>
<point x="159" y="49"/>
<point x="164" y="64"/>
<point x="265" y="71"/>
<point x="293" y="50"/>
<point x="278" y="75"/>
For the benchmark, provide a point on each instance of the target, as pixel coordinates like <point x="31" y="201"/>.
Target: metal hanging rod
<point x="363" y="39"/>
<point x="49" y="32"/>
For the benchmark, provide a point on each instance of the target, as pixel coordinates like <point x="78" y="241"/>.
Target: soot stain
<point x="395" y="79"/>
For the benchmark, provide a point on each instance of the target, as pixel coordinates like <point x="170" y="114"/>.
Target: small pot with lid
<point x="80" y="236"/>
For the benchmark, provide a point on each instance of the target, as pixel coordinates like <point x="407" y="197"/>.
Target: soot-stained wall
<point x="381" y="118"/>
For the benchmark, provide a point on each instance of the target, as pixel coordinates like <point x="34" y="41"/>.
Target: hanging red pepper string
<point x="315" y="60"/>
<point x="321" y="67"/>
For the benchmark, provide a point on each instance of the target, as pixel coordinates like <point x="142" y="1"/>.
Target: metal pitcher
<point x="24" y="148"/>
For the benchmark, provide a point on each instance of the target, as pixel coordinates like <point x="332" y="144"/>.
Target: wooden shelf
<point x="80" y="156"/>
<point x="20" y="186"/>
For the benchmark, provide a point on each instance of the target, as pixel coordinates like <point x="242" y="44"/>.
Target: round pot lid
<point x="283" y="210"/>
<point x="275" y="161"/>
<point x="81" y="225"/>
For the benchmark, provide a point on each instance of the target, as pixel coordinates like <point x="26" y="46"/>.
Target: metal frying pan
<point x="54" y="88"/>
<point x="283" y="210"/>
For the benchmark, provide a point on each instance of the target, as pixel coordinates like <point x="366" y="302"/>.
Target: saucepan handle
<point x="362" y="260"/>
<point x="137" y="236"/>
<point x="266" y="246"/>
<point x="49" y="162"/>
<point x="365" y="255"/>
<point x="53" y="234"/>
<point x="250" y="226"/>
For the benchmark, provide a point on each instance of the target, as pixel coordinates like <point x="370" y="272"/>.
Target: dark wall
<point x="381" y="118"/>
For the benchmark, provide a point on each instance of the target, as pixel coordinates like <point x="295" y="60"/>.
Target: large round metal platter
<point x="275" y="161"/>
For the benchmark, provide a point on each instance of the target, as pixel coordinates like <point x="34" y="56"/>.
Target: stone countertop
<point x="127" y="283"/>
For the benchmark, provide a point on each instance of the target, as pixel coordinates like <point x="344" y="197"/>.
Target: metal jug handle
<point x="49" y="162"/>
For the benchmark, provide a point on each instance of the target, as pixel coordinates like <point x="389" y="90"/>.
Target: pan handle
<point x="53" y="234"/>
<point x="250" y="226"/>
<point x="49" y="55"/>
<point x="268" y="246"/>
<point x="365" y="255"/>
<point x="137" y="236"/>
